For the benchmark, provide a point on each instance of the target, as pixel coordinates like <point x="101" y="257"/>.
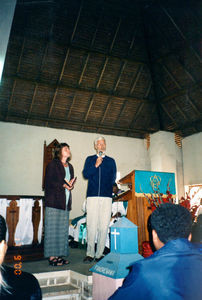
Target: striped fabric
<point x="56" y="232"/>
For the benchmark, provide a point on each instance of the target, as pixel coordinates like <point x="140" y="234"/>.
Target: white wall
<point x="192" y="159"/>
<point x="21" y="164"/>
<point x="166" y="156"/>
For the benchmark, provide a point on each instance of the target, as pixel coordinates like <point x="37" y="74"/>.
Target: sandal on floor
<point x="62" y="261"/>
<point x="53" y="262"/>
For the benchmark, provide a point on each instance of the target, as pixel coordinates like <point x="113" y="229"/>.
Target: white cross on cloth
<point x="115" y="233"/>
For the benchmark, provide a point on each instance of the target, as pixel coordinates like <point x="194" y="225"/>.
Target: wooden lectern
<point x="138" y="208"/>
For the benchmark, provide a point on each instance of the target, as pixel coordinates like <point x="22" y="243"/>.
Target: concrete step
<point x="63" y="291"/>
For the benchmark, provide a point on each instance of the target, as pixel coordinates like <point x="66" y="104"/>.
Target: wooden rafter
<point x="158" y="82"/>
<point x="45" y="52"/>
<point x="84" y="90"/>
<point x="10" y="100"/>
<point x="135" y="30"/>
<point x="119" y="76"/>
<point x="148" y="89"/>
<point x="179" y="109"/>
<point x="169" y="115"/>
<point x="135" y="117"/>
<point x="89" y="108"/>
<point x="118" y="79"/>
<point x="105" y="111"/>
<point x="189" y="124"/>
<point x="102" y="72"/>
<point x="151" y="114"/>
<point x="157" y="28"/>
<point x="21" y="54"/>
<point x="193" y="105"/>
<point x="73" y="102"/>
<point x="171" y="75"/>
<point x="78" y="123"/>
<point x="83" y="69"/>
<point x="181" y="33"/>
<point x="32" y="103"/>
<point x="135" y="80"/>
<point x="182" y="92"/>
<point x="91" y="45"/>
<point x="185" y="70"/>
<point x="64" y="63"/>
<point x="115" y="35"/>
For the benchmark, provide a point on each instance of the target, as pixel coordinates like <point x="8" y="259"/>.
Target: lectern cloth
<point x="149" y="181"/>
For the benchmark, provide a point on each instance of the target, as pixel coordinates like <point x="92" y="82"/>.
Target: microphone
<point x="100" y="153"/>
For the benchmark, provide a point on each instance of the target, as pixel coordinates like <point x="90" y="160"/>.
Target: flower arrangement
<point x="186" y="202"/>
<point x="157" y="198"/>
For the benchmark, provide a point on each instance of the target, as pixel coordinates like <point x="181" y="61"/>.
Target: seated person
<point x="77" y="228"/>
<point x="15" y="284"/>
<point x="197" y="233"/>
<point x="174" y="270"/>
<point x="119" y="208"/>
<point x="75" y="233"/>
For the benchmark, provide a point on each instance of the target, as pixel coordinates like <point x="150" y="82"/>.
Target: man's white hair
<point x="98" y="139"/>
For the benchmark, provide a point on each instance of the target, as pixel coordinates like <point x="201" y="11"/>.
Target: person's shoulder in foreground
<point x="23" y="286"/>
<point x="175" y="269"/>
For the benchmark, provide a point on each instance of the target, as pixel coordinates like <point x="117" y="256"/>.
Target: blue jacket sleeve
<point x="130" y="289"/>
<point x="114" y="172"/>
<point x="89" y="167"/>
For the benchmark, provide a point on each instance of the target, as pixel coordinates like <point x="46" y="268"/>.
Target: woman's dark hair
<point x="171" y="221"/>
<point x="58" y="150"/>
<point x="3" y="228"/>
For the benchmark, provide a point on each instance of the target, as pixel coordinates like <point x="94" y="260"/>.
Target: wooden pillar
<point x="12" y="218"/>
<point x="36" y="216"/>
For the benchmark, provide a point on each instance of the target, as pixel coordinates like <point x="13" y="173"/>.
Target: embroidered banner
<point x="148" y="182"/>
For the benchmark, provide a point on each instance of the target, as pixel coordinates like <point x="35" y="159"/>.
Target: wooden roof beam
<point x="105" y="110"/>
<point x="189" y="125"/>
<point x="10" y="99"/>
<point x="84" y="90"/>
<point x="148" y="89"/>
<point x="70" y="110"/>
<point x="193" y="105"/>
<point x="89" y="108"/>
<point x="137" y="113"/>
<point x="84" y="68"/>
<point x="182" y="92"/>
<point x="179" y="109"/>
<point x="115" y="35"/>
<point x="169" y="115"/>
<point x="32" y="103"/>
<point x="65" y="61"/>
<point x="135" y="80"/>
<point x="180" y="32"/>
<point x="119" y="76"/>
<point x="77" y="123"/>
<point x="171" y="76"/>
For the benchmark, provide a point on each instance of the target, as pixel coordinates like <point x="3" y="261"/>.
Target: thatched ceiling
<point x="117" y="67"/>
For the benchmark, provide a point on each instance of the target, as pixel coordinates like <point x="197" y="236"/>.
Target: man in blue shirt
<point x="174" y="271"/>
<point x="100" y="170"/>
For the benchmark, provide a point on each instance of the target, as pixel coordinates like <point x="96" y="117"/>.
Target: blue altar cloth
<point x="150" y="181"/>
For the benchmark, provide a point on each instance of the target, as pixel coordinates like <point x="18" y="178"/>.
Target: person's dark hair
<point x="58" y="150"/>
<point x="3" y="228"/>
<point x="171" y="221"/>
